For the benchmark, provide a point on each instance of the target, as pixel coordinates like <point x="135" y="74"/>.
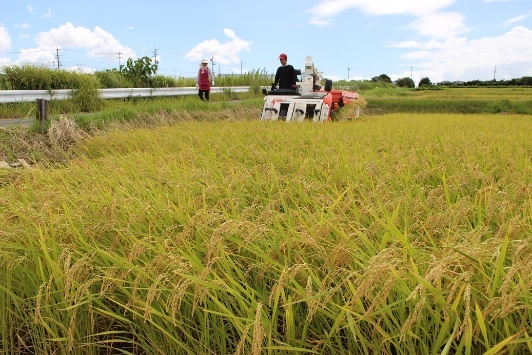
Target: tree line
<point x="425" y="82"/>
<point x="384" y="80"/>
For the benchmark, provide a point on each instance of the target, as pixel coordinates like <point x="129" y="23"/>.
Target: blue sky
<point x="347" y="39"/>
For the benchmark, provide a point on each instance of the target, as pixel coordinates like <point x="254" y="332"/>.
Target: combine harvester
<point x="309" y="101"/>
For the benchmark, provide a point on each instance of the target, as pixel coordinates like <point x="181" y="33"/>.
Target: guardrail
<point x="12" y="96"/>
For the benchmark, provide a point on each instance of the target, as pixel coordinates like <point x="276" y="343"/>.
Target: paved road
<point x="16" y="122"/>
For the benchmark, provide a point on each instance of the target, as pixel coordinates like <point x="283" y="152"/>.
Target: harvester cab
<point x="309" y="101"/>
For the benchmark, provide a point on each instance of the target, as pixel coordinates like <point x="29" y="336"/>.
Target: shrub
<point x="112" y="79"/>
<point x="405" y="82"/>
<point x="161" y="81"/>
<point x="86" y="97"/>
<point x="63" y="132"/>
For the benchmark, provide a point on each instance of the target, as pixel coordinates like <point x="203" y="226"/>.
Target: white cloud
<point x="223" y="53"/>
<point x="42" y="55"/>
<point x="407" y="44"/>
<point x="439" y="25"/>
<point x="458" y="55"/>
<point x="322" y="13"/>
<point x="431" y="44"/>
<point x="5" y="39"/>
<point x="4" y="62"/>
<point x="431" y="21"/>
<point x="31" y="10"/>
<point x="23" y="25"/>
<point x="98" y="42"/>
<point x="516" y="19"/>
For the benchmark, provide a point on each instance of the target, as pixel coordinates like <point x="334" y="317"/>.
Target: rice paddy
<point x="392" y="234"/>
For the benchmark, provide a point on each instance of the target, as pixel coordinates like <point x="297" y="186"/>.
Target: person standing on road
<point x="285" y="75"/>
<point x="204" y="80"/>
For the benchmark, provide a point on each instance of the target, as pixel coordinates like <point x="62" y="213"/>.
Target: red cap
<point x="283" y="56"/>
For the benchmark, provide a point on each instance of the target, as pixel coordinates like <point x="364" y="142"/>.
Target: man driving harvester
<point x="285" y="75"/>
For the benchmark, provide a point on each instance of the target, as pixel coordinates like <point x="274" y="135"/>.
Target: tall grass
<point x="28" y="77"/>
<point x="401" y="234"/>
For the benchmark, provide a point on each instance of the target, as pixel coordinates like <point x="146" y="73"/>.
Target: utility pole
<point x="119" y="58"/>
<point x="348" y="73"/>
<point x="494" y="72"/>
<point x="212" y="64"/>
<point x="57" y="54"/>
<point x="155" y="59"/>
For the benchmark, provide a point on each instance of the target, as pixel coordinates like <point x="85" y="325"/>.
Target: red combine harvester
<point x="309" y="101"/>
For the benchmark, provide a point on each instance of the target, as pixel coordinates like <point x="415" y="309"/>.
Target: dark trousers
<point x="206" y="92"/>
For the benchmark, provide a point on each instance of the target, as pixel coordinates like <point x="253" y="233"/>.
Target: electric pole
<point x="494" y="72"/>
<point x="212" y="64"/>
<point x="348" y="73"/>
<point x="57" y="55"/>
<point x="155" y="59"/>
<point x="119" y="58"/>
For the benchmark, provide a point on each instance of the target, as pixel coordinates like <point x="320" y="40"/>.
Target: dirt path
<point x="16" y="122"/>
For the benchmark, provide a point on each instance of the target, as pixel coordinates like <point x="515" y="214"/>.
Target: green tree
<point x="424" y="82"/>
<point x="525" y="80"/>
<point x="383" y="77"/>
<point x="405" y="82"/>
<point x="139" y="71"/>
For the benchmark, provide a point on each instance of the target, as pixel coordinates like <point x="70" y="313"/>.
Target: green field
<point x="389" y="234"/>
<point x="451" y="100"/>
<point x="516" y="100"/>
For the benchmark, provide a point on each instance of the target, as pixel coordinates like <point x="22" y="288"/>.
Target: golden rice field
<point x="509" y="93"/>
<point x="393" y="234"/>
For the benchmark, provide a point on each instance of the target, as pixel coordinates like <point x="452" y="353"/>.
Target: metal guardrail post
<point x="42" y="112"/>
